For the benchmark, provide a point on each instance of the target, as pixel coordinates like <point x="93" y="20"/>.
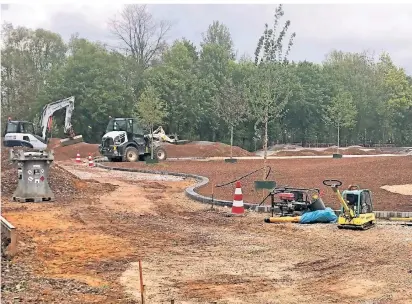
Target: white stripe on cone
<point x="237" y="203"/>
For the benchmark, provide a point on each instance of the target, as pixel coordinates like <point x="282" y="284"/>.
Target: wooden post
<point x="141" y="281"/>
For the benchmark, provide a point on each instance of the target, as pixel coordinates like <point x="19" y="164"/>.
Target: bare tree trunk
<point x="265" y="144"/>
<point x="151" y="131"/>
<point x="337" y="150"/>
<point x="231" y="141"/>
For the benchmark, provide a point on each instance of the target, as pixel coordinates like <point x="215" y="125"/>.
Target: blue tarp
<point x="319" y="216"/>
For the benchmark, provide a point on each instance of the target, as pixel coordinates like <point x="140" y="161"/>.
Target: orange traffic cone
<point x="91" y="163"/>
<point x="78" y="160"/>
<point x="237" y="206"/>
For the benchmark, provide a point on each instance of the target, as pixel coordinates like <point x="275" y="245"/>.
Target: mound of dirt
<point x="63" y="184"/>
<point x="69" y="152"/>
<point x="329" y="151"/>
<point x="194" y="149"/>
<point x="203" y="150"/>
<point x="350" y="151"/>
<point x="304" y="152"/>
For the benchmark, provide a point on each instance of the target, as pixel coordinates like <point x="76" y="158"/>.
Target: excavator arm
<point x="51" y="108"/>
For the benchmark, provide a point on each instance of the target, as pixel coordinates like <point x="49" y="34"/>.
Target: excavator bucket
<point x="71" y="140"/>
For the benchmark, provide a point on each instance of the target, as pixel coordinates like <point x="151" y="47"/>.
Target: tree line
<point x="206" y="92"/>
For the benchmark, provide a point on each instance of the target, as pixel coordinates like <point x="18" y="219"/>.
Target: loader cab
<point x="129" y="125"/>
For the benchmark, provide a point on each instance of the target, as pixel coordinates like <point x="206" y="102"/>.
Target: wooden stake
<point x="141" y="281"/>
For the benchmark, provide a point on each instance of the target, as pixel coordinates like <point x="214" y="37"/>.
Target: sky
<point x="319" y="28"/>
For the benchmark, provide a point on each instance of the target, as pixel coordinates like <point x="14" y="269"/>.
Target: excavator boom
<point x="50" y="109"/>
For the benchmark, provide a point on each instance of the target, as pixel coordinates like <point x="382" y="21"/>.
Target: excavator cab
<point x="22" y="134"/>
<point x="16" y="126"/>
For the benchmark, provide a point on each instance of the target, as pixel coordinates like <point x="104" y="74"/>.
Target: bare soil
<point x="63" y="184"/>
<point x="195" y="149"/>
<point x="328" y="151"/>
<point x="70" y="152"/>
<point x="202" y="150"/>
<point x="371" y="173"/>
<point x="400" y="189"/>
<point x="86" y="251"/>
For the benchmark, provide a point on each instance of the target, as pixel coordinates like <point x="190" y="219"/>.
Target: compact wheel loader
<point x="125" y="140"/>
<point x="356" y="206"/>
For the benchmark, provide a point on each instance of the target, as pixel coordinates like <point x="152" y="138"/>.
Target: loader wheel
<point x="132" y="154"/>
<point x="160" y="153"/>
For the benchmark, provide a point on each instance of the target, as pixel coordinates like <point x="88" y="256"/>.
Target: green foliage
<point x="231" y="104"/>
<point x="341" y="112"/>
<point x="204" y="90"/>
<point x="150" y="108"/>
<point x="269" y="89"/>
<point x="219" y="34"/>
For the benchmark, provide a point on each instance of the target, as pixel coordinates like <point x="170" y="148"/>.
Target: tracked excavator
<point x="22" y="133"/>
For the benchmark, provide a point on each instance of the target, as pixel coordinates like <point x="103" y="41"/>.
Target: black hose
<point x="242" y="177"/>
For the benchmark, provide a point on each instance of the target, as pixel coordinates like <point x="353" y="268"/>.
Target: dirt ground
<point x="401" y="189"/>
<point x="371" y="173"/>
<point x="86" y="251"/>
<point x="193" y="149"/>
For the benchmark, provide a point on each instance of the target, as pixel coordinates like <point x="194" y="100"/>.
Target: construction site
<point x="85" y="245"/>
<point x="206" y="162"/>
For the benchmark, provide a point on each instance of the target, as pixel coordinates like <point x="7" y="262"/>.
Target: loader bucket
<point x="71" y="140"/>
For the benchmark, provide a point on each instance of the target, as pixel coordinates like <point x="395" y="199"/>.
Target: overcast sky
<point x="319" y="27"/>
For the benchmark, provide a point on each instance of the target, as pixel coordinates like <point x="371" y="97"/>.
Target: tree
<point x="175" y="82"/>
<point x="341" y="112"/>
<point x="96" y="78"/>
<point x="397" y="100"/>
<point x="357" y="74"/>
<point x="150" y="110"/>
<point x="268" y="87"/>
<point x="27" y="58"/>
<point x="212" y="70"/>
<point x="140" y="34"/>
<point x="305" y="106"/>
<point x="232" y="107"/>
<point x="218" y="33"/>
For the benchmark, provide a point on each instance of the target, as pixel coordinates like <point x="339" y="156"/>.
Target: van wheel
<point x="132" y="154"/>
